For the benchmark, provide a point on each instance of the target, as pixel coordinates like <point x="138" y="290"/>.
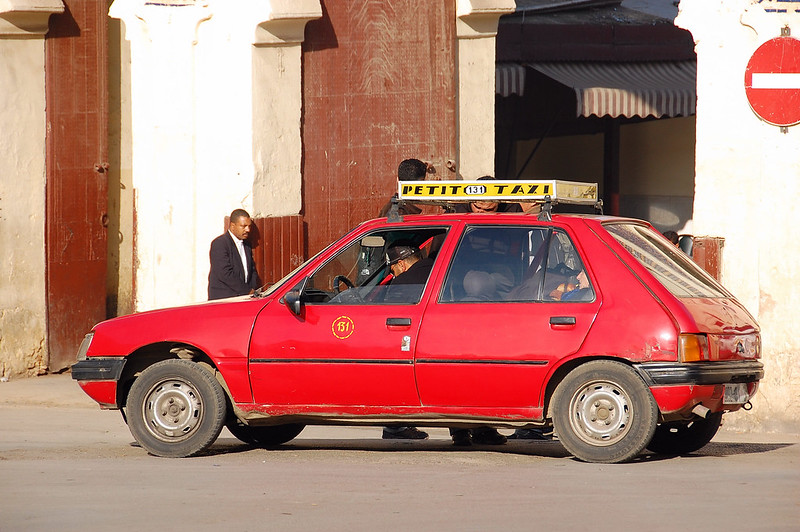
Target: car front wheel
<point x="603" y="412"/>
<point x="685" y="437"/>
<point x="176" y="409"/>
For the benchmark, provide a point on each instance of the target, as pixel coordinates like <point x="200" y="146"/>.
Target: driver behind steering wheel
<point x="409" y="272"/>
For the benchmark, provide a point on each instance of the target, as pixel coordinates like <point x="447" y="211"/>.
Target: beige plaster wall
<point x="198" y="148"/>
<point x="119" y="278"/>
<point x="657" y="157"/>
<point x="747" y="191"/>
<point x="23" y="336"/>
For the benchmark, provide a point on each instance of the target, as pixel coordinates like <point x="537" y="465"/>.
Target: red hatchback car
<point x="596" y="326"/>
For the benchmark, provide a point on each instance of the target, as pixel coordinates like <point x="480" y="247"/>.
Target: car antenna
<point x="546" y="214"/>
<point x="598" y="207"/>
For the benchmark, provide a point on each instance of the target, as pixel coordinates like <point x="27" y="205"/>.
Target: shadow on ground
<point x="539" y="448"/>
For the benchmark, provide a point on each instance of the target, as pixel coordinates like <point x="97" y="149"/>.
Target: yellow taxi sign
<point x="497" y="190"/>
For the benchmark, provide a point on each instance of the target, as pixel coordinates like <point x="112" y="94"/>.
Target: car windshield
<point x="673" y="268"/>
<point x="268" y="289"/>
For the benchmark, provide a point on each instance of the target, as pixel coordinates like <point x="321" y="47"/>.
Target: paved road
<point x="66" y="465"/>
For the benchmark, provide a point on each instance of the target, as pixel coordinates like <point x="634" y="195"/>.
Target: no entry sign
<point x="772" y="81"/>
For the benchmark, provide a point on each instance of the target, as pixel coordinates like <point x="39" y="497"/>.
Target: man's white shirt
<point x="240" y="246"/>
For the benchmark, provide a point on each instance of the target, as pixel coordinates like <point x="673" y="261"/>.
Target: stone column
<point x="23" y="24"/>
<point x="476" y="29"/>
<point x="215" y="126"/>
<point x="747" y="189"/>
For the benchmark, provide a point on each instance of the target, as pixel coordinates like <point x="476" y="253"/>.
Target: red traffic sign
<point x="772" y="81"/>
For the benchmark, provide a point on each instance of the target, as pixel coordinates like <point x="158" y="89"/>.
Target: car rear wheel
<point x="685" y="437"/>
<point x="176" y="409"/>
<point x="263" y="436"/>
<point x="603" y="412"/>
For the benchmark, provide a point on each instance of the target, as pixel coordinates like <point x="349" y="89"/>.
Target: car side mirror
<point x="294" y="298"/>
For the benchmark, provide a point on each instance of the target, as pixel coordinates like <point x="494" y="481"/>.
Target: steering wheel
<point x="341" y="279"/>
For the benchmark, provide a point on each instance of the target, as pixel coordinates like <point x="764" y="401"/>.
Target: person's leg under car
<point x="404" y="433"/>
<point x="479" y="436"/>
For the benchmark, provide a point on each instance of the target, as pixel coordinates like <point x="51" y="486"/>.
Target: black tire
<point x="682" y="437"/>
<point x="176" y="409"/>
<point x="603" y="412"/>
<point x="263" y="436"/>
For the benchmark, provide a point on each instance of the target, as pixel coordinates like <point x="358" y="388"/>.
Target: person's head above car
<point x="412" y="170"/>
<point x="484" y="206"/>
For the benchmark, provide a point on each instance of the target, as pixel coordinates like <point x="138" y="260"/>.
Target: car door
<point x="349" y="345"/>
<point x="499" y="323"/>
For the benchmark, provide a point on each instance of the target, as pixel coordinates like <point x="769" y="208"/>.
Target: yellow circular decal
<point x="342" y="327"/>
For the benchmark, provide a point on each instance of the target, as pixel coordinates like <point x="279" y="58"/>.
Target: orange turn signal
<point x="693" y="347"/>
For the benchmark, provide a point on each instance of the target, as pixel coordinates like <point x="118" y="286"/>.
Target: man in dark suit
<point x="233" y="271"/>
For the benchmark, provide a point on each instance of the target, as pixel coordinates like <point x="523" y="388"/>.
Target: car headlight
<point x="84" y="348"/>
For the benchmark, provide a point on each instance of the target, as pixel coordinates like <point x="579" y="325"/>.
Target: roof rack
<point x="548" y="192"/>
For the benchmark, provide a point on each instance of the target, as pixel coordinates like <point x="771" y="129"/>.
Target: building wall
<point x="119" y="279"/>
<point x="22" y="189"/>
<point x="476" y="29"/>
<point x="556" y="158"/>
<point x="747" y="191"/>
<point x="214" y="125"/>
<point x="657" y="172"/>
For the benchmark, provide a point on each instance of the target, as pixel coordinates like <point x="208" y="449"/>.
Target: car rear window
<point x="673" y="268"/>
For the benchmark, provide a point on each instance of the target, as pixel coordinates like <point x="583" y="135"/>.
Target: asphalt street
<point x="67" y="465"/>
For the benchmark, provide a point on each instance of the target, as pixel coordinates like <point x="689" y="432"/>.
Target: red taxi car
<point x="594" y="325"/>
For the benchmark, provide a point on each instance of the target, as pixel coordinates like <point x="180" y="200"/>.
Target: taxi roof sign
<point x="552" y="190"/>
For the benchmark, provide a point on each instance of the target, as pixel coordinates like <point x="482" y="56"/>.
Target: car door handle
<point x="398" y="322"/>
<point x="562" y="320"/>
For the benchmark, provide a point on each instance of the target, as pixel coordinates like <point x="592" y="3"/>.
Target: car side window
<point x="501" y="263"/>
<point x="360" y="274"/>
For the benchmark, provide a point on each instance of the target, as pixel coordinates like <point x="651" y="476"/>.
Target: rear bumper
<point x="678" y="388"/>
<point x="700" y="373"/>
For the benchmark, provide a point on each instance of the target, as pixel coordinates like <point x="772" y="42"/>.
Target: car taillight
<point x="84" y="348"/>
<point x="693" y="348"/>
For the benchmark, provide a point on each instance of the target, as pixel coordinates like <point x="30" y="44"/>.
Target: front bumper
<point x="700" y="373"/>
<point x="98" y="377"/>
<point x="98" y="369"/>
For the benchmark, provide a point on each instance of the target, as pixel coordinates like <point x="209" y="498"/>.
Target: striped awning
<point x="509" y="79"/>
<point x="652" y="88"/>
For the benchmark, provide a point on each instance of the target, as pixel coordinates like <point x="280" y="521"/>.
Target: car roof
<point x="504" y="218"/>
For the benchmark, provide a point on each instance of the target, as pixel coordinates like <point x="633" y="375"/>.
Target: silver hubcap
<point x="173" y="410"/>
<point x="600" y="413"/>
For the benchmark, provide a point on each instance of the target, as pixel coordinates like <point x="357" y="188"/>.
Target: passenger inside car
<point x="582" y="291"/>
<point x="479" y="286"/>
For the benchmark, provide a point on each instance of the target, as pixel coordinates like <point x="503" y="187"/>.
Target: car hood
<point x="223" y="324"/>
